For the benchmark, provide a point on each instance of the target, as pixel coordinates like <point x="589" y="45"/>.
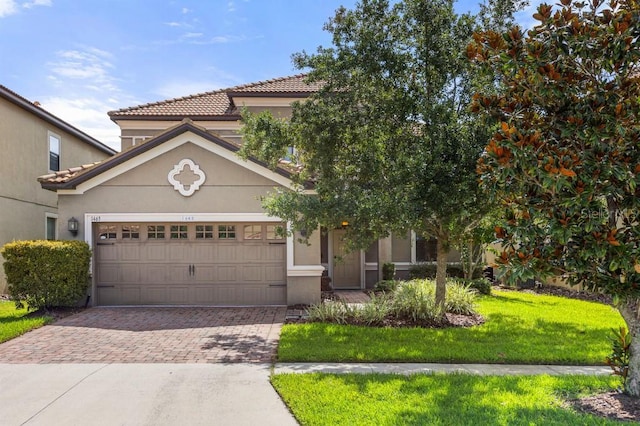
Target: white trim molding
<point x="187" y="137"/>
<point x="294" y="270"/>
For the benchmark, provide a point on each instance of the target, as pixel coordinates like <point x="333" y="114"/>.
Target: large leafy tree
<point x="565" y="161"/>
<point x="388" y="140"/>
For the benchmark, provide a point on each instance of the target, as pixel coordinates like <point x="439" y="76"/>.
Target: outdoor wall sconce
<point x="72" y="225"/>
<point x="345" y="223"/>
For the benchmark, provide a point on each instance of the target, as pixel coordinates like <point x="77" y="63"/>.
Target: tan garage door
<point x="190" y="264"/>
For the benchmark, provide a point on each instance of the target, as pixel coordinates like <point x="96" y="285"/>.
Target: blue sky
<point x="82" y="58"/>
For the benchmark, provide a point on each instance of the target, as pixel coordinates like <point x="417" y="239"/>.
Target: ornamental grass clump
<point x="411" y="303"/>
<point x="416" y="301"/>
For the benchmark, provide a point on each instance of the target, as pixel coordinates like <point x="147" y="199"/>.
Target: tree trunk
<point x="442" y="250"/>
<point x="629" y="311"/>
<point x="468" y="273"/>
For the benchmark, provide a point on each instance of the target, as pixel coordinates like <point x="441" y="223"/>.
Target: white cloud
<point x="88" y="114"/>
<point x="185" y="11"/>
<point x="89" y="64"/>
<point x="33" y="3"/>
<point x="8" y="7"/>
<point x="231" y="7"/>
<point x="86" y="91"/>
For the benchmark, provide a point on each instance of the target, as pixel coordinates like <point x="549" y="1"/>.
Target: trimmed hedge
<point x="45" y="274"/>
<point x="428" y="270"/>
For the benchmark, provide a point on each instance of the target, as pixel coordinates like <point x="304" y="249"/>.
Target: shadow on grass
<point x="436" y="399"/>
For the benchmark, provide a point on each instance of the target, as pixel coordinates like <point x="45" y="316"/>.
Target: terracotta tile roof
<point x="70" y="178"/>
<point x="65" y="175"/>
<point x="218" y="103"/>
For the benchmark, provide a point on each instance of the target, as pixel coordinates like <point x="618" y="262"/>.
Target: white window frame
<point x="51" y="135"/>
<point x="48" y="216"/>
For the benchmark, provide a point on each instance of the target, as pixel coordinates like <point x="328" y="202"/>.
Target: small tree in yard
<point x="565" y="162"/>
<point x="388" y="140"/>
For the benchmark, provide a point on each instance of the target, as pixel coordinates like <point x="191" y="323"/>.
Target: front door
<point x="346" y="266"/>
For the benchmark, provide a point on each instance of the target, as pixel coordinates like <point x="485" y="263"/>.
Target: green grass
<point x="13" y="322"/>
<point x="456" y="399"/>
<point x="520" y="328"/>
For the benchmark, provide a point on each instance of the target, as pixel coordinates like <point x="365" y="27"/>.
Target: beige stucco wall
<point x="228" y="188"/>
<point x="307" y="254"/>
<point x="303" y="290"/>
<point x="24" y="142"/>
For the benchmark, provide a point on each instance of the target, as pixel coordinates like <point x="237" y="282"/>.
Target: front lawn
<point x="456" y="399"/>
<point x="520" y="328"/>
<point x="14" y="322"/>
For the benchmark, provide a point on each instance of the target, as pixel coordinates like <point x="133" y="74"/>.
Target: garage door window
<point x="275" y="232"/>
<point x="131" y="232"/>
<point x="179" y="232"/>
<point x="107" y="232"/>
<point x="227" y="232"/>
<point x="204" y="232"/>
<point x="253" y="232"/>
<point x="155" y="232"/>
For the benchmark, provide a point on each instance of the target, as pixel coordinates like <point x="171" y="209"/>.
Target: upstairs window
<point x="54" y="152"/>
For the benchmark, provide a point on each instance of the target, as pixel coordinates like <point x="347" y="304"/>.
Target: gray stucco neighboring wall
<point x="24" y="139"/>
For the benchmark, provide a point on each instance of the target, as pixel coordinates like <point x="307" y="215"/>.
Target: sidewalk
<point x="414" y="368"/>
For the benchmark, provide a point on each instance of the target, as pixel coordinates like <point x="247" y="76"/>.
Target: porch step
<point x="352" y="296"/>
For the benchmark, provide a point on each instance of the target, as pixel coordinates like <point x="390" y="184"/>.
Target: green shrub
<point x="45" y="274"/>
<point x="372" y="313"/>
<point x="481" y="285"/>
<point x="336" y="312"/>
<point x="620" y="353"/>
<point x="415" y="300"/>
<point x="386" y="286"/>
<point x="460" y="299"/>
<point x="422" y="271"/>
<point x="428" y="270"/>
<point x="388" y="271"/>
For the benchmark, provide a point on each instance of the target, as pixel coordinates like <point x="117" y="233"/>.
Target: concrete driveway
<point x="152" y="335"/>
<point x="145" y="366"/>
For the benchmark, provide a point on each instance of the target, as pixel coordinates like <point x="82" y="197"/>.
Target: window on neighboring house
<point x="426" y="249"/>
<point x="51" y="225"/>
<point x="54" y="152"/>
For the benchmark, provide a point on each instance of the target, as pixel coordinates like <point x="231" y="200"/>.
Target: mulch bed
<point x="612" y="405"/>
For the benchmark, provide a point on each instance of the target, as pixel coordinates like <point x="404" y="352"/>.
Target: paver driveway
<point x="152" y="335"/>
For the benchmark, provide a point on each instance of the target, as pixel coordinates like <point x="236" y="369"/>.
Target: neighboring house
<point x="176" y="217"/>
<point x="34" y="142"/>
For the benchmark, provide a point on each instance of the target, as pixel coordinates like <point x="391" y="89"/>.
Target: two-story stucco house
<point x="34" y="142"/>
<point x="176" y="217"/>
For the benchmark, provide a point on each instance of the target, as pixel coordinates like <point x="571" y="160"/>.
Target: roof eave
<point x="53" y="120"/>
<point x="225" y="117"/>
<point x="138" y="149"/>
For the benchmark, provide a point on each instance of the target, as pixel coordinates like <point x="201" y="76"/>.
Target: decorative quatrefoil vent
<point x="186" y="177"/>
